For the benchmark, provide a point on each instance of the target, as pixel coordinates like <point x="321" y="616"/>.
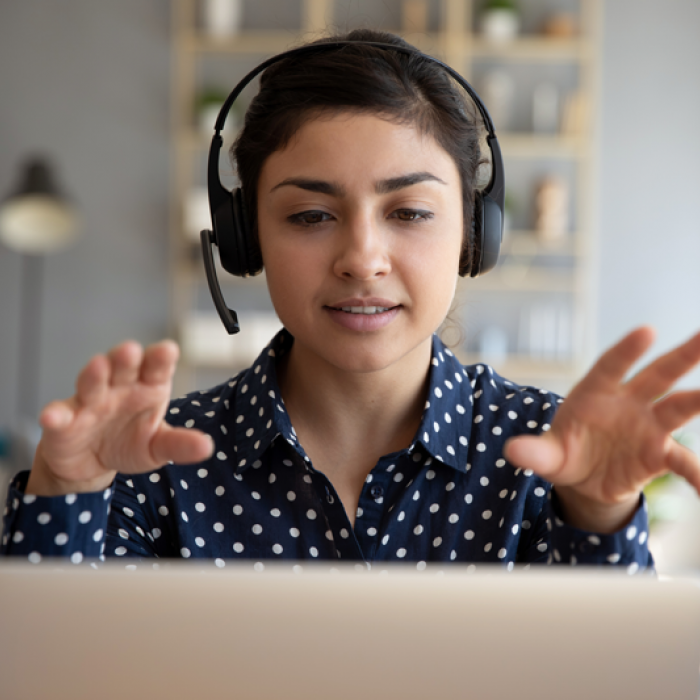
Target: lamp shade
<point x="37" y="218"/>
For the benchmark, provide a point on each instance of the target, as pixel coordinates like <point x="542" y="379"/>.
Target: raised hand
<point x="610" y="437"/>
<point x="114" y="422"/>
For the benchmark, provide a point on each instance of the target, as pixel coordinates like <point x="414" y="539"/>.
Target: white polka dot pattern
<point x="450" y="496"/>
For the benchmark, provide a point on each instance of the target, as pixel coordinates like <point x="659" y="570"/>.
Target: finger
<point x="685" y="463"/>
<point x="664" y="372"/>
<point x="676" y="409"/>
<point x="125" y="361"/>
<point x="181" y="445"/>
<point x="543" y="454"/>
<point x="158" y="364"/>
<point x="612" y="366"/>
<point x="56" y="416"/>
<point x="92" y="382"/>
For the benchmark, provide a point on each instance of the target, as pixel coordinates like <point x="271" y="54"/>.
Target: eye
<point x="309" y="218"/>
<point x="412" y="215"/>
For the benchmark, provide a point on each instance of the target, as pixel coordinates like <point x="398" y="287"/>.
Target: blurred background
<point x="105" y="119"/>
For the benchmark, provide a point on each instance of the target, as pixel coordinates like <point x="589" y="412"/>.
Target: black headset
<point x="239" y="251"/>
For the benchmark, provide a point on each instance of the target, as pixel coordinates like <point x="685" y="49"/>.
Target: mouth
<point x="366" y="310"/>
<point x="367" y="306"/>
<point x="364" y="315"/>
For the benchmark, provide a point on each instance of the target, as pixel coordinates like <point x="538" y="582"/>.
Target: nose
<point x="362" y="250"/>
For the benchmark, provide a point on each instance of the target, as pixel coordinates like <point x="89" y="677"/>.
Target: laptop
<point x="186" y="630"/>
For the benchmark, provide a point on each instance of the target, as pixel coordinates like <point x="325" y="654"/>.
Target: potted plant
<point x="500" y="20"/>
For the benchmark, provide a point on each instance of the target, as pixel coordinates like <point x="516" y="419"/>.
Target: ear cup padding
<point x="491" y="234"/>
<point x="239" y="233"/>
<point x="249" y="241"/>
<point x="238" y="251"/>
<point x="225" y="238"/>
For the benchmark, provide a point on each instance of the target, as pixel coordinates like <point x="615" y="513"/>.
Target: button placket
<point x="347" y="548"/>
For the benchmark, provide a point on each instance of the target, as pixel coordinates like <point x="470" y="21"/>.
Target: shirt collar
<point x="260" y="413"/>
<point x="261" y="416"/>
<point x="446" y="424"/>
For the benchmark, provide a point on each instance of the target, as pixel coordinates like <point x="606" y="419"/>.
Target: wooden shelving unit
<point x="529" y="267"/>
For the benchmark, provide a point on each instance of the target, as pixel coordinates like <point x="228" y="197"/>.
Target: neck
<point x="379" y="410"/>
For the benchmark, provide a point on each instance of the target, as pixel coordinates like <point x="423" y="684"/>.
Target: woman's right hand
<point x="113" y="423"/>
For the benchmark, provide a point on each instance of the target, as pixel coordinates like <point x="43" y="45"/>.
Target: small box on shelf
<point x="205" y="343"/>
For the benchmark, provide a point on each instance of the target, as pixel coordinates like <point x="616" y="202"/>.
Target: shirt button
<point x="377" y="491"/>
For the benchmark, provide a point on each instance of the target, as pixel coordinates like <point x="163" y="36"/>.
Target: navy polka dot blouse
<point x="450" y="496"/>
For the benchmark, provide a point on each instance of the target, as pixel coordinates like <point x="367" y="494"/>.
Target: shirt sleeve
<point x="71" y="526"/>
<point x="130" y="532"/>
<point x="109" y="523"/>
<point x="557" y="543"/>
<point x="627" y="547"/>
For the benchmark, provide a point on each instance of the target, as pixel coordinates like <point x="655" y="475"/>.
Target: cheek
<point x="439" y="255"/>
<point x="432" y="277"/>
<point x="442" y="262"/>
<point x="291" y="273"/>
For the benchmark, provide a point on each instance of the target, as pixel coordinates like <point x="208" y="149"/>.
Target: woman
<point x="356" y="435"/>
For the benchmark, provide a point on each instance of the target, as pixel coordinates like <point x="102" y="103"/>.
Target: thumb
<point x="181" y="445"/>
<point x="543" y="454"/>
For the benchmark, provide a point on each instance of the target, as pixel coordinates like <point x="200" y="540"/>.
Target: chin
<point x="369" y="354"/>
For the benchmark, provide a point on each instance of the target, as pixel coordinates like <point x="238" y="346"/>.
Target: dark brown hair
<point x="401" y="88"/>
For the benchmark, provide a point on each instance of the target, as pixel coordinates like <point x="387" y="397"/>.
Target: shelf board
<point x="523" y="366"/>
<point x="527" y="145"/>
<point x="527" y="244"/>
<point x="250" y="42"/>
<point x="514" y="277"/>
<point x="525" y="48"/>
<point x="253" y="42"/>
<point x="531" y="48"/>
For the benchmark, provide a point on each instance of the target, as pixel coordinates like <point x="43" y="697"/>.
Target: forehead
<point x="348" y="144"/>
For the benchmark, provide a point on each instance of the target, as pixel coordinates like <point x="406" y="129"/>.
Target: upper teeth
<point x="365" y="309"/>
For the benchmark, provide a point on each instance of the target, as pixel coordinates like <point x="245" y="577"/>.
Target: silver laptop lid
<point x="185" y="631"/>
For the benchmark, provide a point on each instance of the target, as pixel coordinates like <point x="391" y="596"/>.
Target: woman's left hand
<point x="610" y="438"/>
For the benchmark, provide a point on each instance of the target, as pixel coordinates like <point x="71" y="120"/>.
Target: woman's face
<point x="360" y="225"/>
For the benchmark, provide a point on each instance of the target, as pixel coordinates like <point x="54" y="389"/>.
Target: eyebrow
<point x="336" y="190"/>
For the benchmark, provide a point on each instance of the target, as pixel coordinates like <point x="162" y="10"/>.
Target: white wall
<point x="650" y="171"/>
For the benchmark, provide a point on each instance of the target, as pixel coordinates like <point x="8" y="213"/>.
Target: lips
<point x="363" y="315"/>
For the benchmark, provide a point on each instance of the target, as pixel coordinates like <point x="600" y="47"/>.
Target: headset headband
<point x="496" y="186"/>
<point x="329" y="45"/>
